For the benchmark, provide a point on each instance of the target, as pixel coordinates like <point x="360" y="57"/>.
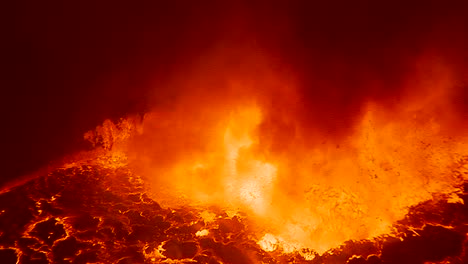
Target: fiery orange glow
<point x="303" y="188"/>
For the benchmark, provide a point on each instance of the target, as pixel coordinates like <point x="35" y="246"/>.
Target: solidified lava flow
<point x="91" y="213"/>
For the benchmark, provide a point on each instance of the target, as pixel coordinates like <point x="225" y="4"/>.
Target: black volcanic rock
<point x="8" y="256"/>
<point x="434" y="243"/>
<point x="48" y="231"/>
<point x="180" y="250"/>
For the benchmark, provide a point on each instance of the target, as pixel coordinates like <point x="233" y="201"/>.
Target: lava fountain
<point x="245" y="148"/>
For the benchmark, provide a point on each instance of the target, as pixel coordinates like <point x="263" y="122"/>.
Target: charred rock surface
<point x="91" y="214"/>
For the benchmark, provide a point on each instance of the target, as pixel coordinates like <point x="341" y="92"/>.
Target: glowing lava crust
<point x="89" y="213"/>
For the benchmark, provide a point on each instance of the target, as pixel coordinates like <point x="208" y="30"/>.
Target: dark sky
<point x="70" y="65"/>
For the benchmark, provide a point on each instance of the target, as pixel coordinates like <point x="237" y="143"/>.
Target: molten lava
<point x="237" y="179"/>
<point x="303" y="188"/>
